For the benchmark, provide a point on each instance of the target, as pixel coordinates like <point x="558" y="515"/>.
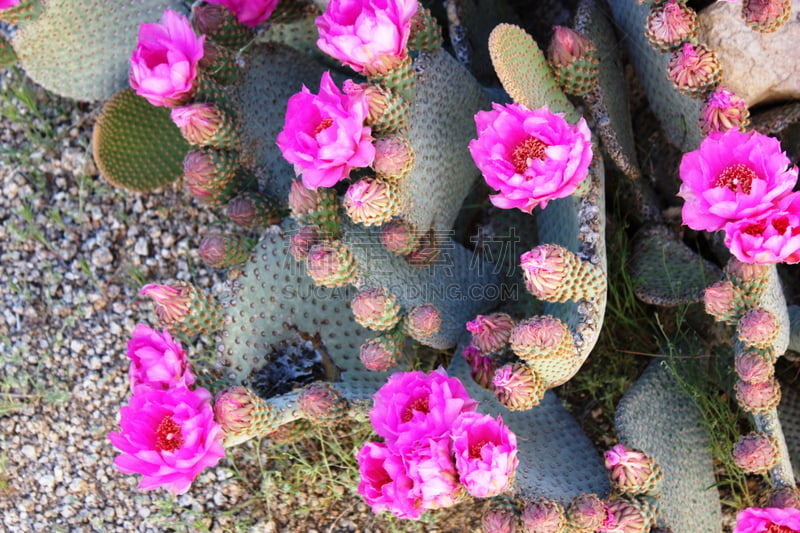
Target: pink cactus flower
<point x="385" y="484"/>
<point x="486" y="454"/>
<point x="731" y="177"/>
<point x="724" y="110"/>
<point x="767" y="520"/>
<point x="168" y="436"/>
<point x="413" y="406"/>
<point x="157" y="360"/>
<point x="249" y="12"/>
<point x="164" y="63"/>
<point x="530" y="156"/>
<point x="8" y="4"/>
<point x="172" y="304"/>
<point x="773" y="237"/>
<point x="324" y="136"/>
<point x="370" y="36"/>
<point x="430" y="464"/>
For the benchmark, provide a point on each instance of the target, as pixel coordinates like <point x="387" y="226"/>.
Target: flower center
<point x="475" y="449"/>
<point x="420" y="404"/>
<point x="781" y="225"/>
<point x="168" y="435"/>
<point x="755" y="229"/>
<point x="738" y="178"/>
<point x="325" y="123"/>
<point x="528" y="150"/>
<point x="772" y="527"/>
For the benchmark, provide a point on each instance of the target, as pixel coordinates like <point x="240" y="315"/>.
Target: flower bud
<point x="399" y="237"/>
<point x="302" y="201"/>
<point x="376" y="309"/>
<point x="753" y="367"/>
<point x="574" y="60"/>
<point x="232" y="409"/>
<point x="756" y="453"/>
<point x="671" y="24"/>
<point x="719" y="300"/>
<point x="541" y="336"/>
<point x="758" y="327"/>
<point x="331" y="264"/>
<point x="586" y="513"/>
<point x="423" y="322"/>
<point x="632" y="471"/>
<point x="394" y="157"/>
<point x="219" y="250"/>
<point x="544" y="269"/>
<point x="171" y="303"/>
<point x="694" y="70"/>
<point x="543" y="516"/>
<point x="517" y="387"/>
<point x="490" y="333"/>
<point x="784" y="497"/>
<point x="746" y="272"/>
<point x="209" y="174"/>
<point x="499" y="521"/>
<point x="766" y="16"/>
<point x="623" y="516"/>
<point x="380" y="354"/>
<point x="370" y="202"/>
<point x="758" y="397"/>
<point x="198" y="122"/>
<point x="724" y="110"/>
<point x="321" y="403"/>
<point x="250" y="210"/>
<point x="481" y="367"/>
<point x="426" y="252"/>
<point x="301" y="242"/>
<point x="190" y="310"/>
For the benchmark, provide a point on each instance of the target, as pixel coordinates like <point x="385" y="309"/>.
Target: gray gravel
<point x="74" y="253"/>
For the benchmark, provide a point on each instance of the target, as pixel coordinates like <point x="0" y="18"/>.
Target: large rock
<point x="759" y="67"/>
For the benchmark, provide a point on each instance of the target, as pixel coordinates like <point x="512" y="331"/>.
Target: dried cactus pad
<point x="136" y="145"/>
<point x="81" y="49"/>
<point x="274" y="301"/>
<point x="556" y="458"/>
<point x="655" y="416"/>
<point x="666" y="271"/>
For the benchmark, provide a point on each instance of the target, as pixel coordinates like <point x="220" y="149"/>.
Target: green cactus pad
<point x="556" y="458"/>
<point x="678" y="113"/>
<point x="789" y="414"/>
<point x="666" y="271"/>
<point x="442" y="116"/>
<point x="524" y="72"/>
<point x="275" y="301"/>
<point x="136" y="145"/>
<point x="22" y="13"/>
<point x="655" y="416"/>
<point x="81" y="49"/>
<point x="272" y="74"/>
<point x="608" y="104"/>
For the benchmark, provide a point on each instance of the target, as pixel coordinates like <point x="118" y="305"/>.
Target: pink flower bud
<point x="394" y="157"/>
<point x="200" y="173"/>
<point x="751" y="272"/>
<point x="398" y="237"/>
<point x="671" y="24"/>
<point x="784" y="497"/>
<point x="719" y="299"/>
<point x="543" y="516"/>
<point x="566" y="46"/>
<point x="423" y="321"/>
<point x="694" y="69"/>
<point x="587" y="512"/>
<point x="756" y="453"/>
<point x="499" y="521"/>
<point x="199" y="122"/>
<point x="243" y="211"/>
<point x="724" y="110"/>
<point x="758" y="397"/>
<point x="481" y="367"/>
<point x="517" y="387"/>
<point x="377" y="356"/>
<point x="232" y="408"/>
<point x="213" y="250"/>
<point x="623" y="517"/>
<point x="538" y="335"/>
<point x="375" y="308"/>
<point x="208" y="18"/>
<point x="378" y="98"/>
<point x="757" y="327"/>
<point x="753" y="367"/>
<point x="426" y="251"/>
<point x="370" y="202"/>
<point x="301" y="242"/>
<point x="544" y="269"/>
<point x="251" y="13"/>
<point x="490" y="333"/>
<point x="632" y="471"/>
<point x="320" y="401"/>
<point x="766" y="16"/>
<point x="330" y="264"/>
<point x="172" y="304"/>
<point x="302" y="201"/>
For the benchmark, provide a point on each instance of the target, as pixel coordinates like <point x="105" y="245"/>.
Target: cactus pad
<point x="136" y="145"/>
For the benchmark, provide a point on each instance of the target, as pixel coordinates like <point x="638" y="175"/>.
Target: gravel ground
<point x="74" y="252"/>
